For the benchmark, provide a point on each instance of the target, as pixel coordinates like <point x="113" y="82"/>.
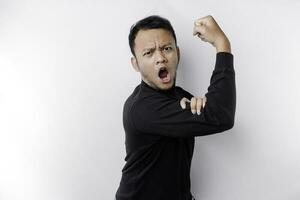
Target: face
<point x="155" y="50"/>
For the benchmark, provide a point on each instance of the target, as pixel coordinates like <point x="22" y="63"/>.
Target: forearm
<point x="222" y="90"/>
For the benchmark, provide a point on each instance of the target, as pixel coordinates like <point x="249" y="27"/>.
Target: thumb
<point x="183" y="102"/>
<point x="199" y="30"/>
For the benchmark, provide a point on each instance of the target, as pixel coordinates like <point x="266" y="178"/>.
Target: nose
<point x="160" y="58"/>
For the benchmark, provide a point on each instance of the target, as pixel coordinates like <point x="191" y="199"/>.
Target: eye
<point x="168" y="48"/>
<point x="147" y="53"/>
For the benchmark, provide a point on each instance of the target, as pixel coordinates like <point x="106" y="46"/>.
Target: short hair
<point x="150" y="22"/>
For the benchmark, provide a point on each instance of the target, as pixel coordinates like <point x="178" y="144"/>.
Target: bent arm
<point x="164" y="116"/>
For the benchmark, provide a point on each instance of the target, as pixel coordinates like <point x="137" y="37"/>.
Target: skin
<point x="155" y="48"/>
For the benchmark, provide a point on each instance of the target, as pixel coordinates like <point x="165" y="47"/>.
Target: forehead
<point x="149" y="38"/>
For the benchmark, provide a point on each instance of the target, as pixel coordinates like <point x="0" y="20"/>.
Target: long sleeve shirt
<point x="159" y="134"/>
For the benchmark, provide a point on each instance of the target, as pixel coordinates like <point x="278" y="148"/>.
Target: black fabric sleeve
<point x="161" y="115"/>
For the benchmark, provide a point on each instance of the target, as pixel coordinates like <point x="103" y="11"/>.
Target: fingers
<point x="202" y="37"/>
<point x="193" y="104"/>
<point x="204" y="101"/>
<point x="196" y="104"/>
<point x="199" y="105"/>
<point x="199" y="26"/>
<point x="200" y="30"/>
<point x="183" y="102"/>
<point x="203" y="20"/>
<point x="207" y="29"/>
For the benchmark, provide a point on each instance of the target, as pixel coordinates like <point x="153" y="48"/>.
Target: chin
<point x="166" y="86"/>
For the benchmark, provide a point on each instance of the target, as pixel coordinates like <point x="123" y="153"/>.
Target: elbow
<point x="226" y="126"/>
<point x="229" y="118"/>
<point x="230" y="125"/>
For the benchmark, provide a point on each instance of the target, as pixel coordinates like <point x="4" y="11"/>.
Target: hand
<point x="208" y="30"/>
<point x="196" y="103"/>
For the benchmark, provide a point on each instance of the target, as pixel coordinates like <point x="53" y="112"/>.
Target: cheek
<point x="148" y="65"/>
<point x="173" y="57"/>
<point x="173" y="60"/>
<point x="148" y="69"/>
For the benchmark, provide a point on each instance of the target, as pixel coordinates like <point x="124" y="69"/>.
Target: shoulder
<point x="130" y="101"/>
<point x="184" y="93"/>
<point x="139" y="102"/>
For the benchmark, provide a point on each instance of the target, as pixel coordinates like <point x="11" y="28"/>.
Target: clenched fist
<point x="208" y="30"/>
<point x="196" y="103"/>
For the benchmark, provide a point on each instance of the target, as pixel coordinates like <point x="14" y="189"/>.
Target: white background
<point x="65" y="73"/>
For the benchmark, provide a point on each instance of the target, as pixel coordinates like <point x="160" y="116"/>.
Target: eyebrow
<point x="149" y="48"/>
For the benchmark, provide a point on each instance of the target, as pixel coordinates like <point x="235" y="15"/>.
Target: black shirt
<point x="160" y="134"/>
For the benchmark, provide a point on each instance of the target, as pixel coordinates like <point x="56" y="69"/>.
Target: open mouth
<point x="164" y="75"/>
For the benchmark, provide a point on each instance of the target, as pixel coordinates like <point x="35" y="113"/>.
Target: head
<point x="156" y="55"/>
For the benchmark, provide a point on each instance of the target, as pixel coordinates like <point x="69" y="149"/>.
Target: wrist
<point x="223" y="45"/>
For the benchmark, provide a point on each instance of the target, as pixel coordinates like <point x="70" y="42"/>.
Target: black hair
<point x="150" y="22"/>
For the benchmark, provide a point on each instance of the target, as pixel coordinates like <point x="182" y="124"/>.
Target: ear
<point x="134" y="64"/>
<point x="178" y="53"/>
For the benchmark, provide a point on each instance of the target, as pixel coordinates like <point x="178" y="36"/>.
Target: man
<point x="160" y="119"/>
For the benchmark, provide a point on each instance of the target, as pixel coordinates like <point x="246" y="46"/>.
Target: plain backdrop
<point x="65" y="74"/>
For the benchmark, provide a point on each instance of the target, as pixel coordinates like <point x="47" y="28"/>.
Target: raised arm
<point x="164" y="115"/>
